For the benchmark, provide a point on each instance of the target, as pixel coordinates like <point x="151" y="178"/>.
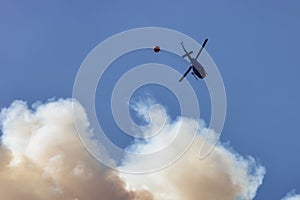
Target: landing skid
<point x="194" y="76"/>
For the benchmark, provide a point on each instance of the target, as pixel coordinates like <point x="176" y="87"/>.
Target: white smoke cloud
<point x="41" y="157"/>
<point x="291" y="196"/>
<point x="224" y="174"/>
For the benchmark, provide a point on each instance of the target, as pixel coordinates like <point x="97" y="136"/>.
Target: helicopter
<point x="198" y="69"/>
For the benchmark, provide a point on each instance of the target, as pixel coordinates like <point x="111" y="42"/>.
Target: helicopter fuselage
<point x="198" y="69"/>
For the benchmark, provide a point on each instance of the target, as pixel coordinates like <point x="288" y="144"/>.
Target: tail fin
<point x="187" y="54"/>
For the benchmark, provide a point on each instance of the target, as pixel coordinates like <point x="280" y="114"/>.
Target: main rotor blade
<point x="203" y="45"/>
<point x="184" y="75"/>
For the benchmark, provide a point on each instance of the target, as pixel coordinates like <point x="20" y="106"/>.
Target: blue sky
<point x="255" y="45"/>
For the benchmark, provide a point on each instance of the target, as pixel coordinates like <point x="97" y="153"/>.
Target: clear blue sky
<point x="254" y="43"/>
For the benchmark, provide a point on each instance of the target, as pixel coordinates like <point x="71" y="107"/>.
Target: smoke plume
<point x="291" y="196"/>
<point x="41" y="157"/>
<point x="224" y="174"/>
